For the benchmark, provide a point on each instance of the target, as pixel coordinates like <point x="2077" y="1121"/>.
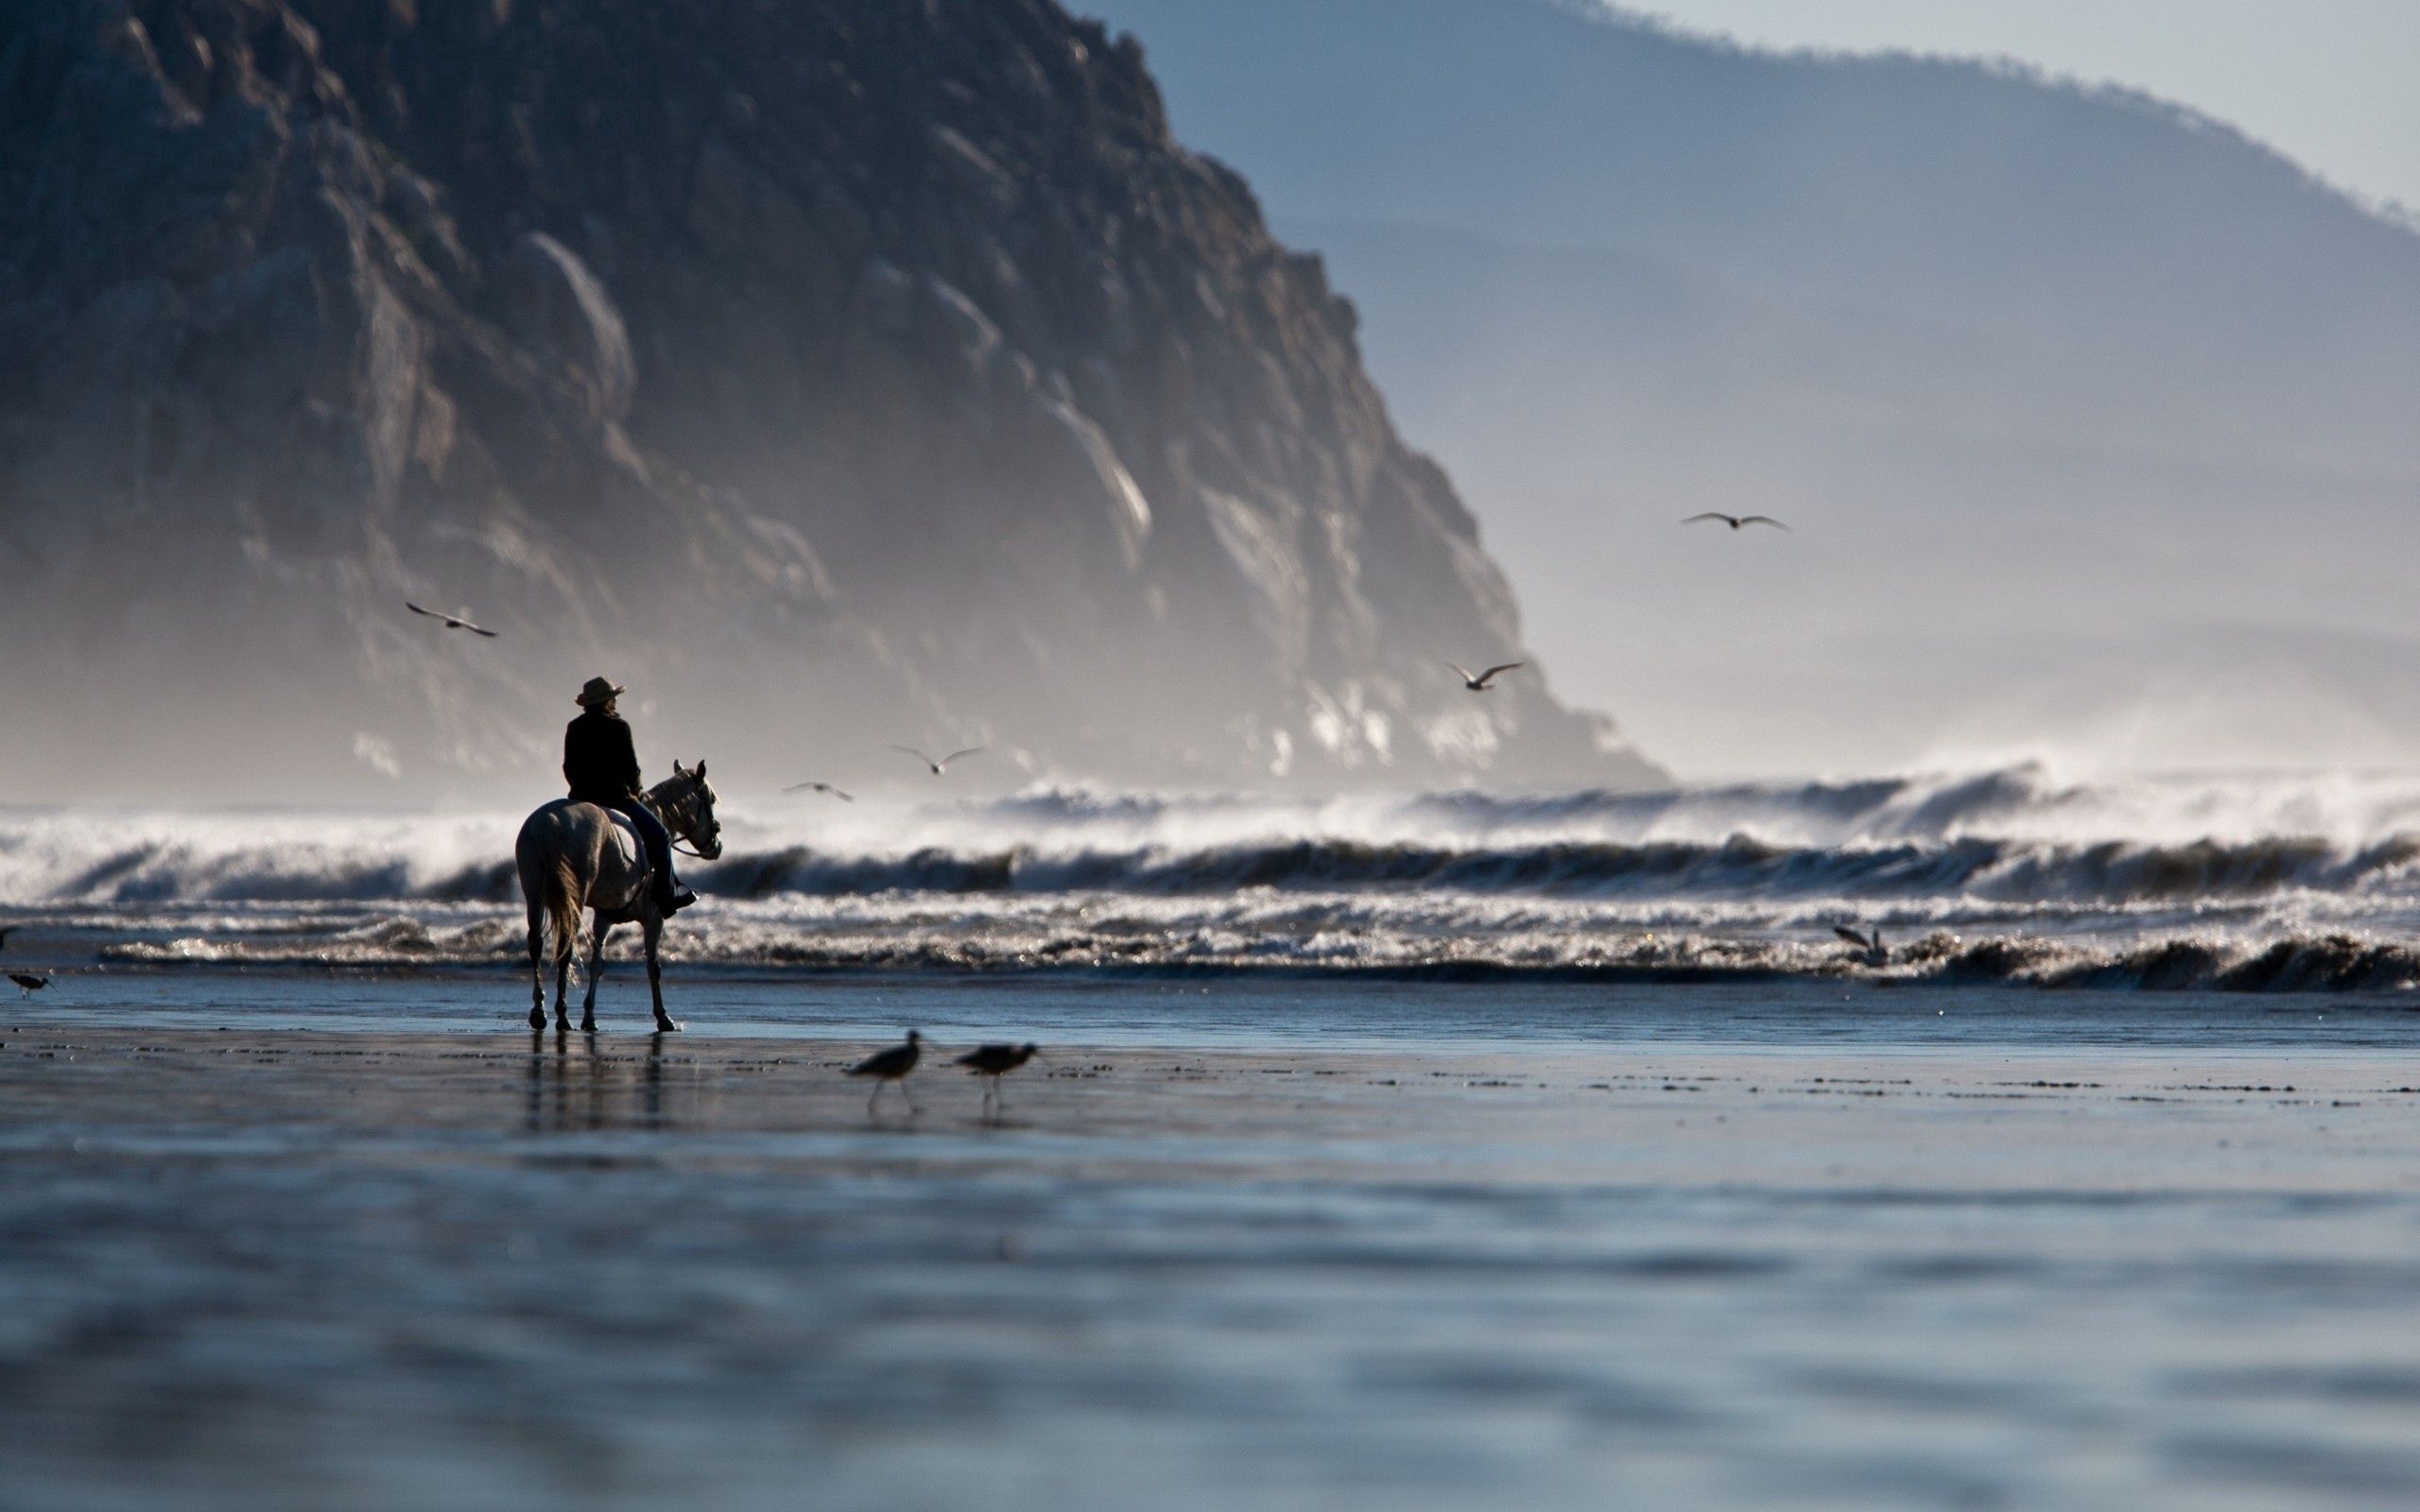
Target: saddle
<point x="624" y="864"/>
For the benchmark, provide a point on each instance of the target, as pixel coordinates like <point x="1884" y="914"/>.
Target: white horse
<point x="575" y="856"/>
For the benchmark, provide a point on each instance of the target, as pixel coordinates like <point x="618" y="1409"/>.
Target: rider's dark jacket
<point x="599" y="762"/>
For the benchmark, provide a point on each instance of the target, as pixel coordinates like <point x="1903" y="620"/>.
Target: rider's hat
<point x="599" y="690"/>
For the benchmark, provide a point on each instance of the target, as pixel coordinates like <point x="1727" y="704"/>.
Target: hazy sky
<point x="2111" y="461"/>
<point x="2328" y="82"/>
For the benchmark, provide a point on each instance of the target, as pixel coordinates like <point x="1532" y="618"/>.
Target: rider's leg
<point x="657" y="841"/>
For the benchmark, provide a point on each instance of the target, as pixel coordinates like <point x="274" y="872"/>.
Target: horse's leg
<point x="537" y="965"/>
<point x="653" y="925"/>
<point x="596" y="969"/>
<point x="564" y="949"/>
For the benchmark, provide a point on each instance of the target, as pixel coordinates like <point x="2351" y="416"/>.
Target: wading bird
<point x="29" y="985"/>
<point x="819" y="787"/>
<point x="1479" y="683"/>
<point x="992" y="1062"/>
<point x="1876" y="953"/>
<point x="1736" y="520"/>
<point x="937" y="765"/>
<point x="889" y="1066"/>
<point x="452" y="622"/>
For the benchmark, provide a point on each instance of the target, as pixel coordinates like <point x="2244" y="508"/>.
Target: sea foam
<point x="2005" y="875"/>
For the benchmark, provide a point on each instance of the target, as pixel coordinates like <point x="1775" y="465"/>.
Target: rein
<point x="663" y="812"/>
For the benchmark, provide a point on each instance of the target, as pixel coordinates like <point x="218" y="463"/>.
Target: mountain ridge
<point x="834" y="374"/>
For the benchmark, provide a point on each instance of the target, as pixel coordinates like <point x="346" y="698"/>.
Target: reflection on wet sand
<point x="577" y="1083"/>
<point x="290" y="1269"/>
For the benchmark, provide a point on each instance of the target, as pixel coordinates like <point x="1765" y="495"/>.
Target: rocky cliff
<point x="835" y="372"/>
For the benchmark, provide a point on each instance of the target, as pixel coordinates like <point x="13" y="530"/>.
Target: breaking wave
<point x="2335" y="962"/>
<point x="2111" y="872"/>
<point x="2255" y="882"/>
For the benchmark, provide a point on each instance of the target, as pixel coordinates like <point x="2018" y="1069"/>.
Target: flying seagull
<point x="992" y="1062"/>
<point x="1736" y="521"/>
<point x="819" y="787"/>
<point x="937" y="765"/>
<point x="1479" y="683"/>
<point x="29" y="985"/>
<point x="1876" y="953"/>
<point x="889" y="1066"/>
<point x="451" y="622"/>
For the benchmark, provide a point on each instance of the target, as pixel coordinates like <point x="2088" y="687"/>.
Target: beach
<point x="1657" y="1256"/>
<point x="1666" y="759"/>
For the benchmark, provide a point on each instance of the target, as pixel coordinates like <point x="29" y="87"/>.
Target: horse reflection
<point x="575" y="1086"/>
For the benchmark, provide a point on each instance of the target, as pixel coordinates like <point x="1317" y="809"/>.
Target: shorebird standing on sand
<point x="1478" y="682"/>
<point x="937" y="765"/>
<point x="992" y="1062"/>
<point x="29" y="985"/>
<point x="890" y="1066"/>
<point x="453" y="622"/>
<point x="1736" y="520"/>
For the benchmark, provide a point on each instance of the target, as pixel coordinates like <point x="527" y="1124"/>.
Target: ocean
<point x="2276" y="883"/>
<point x="1430" y="1151"/>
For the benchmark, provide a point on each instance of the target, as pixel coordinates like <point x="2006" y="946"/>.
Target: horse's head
<point x="690" y="810"/>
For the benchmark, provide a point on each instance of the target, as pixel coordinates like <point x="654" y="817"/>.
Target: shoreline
<point x="293" y="1268"/>
<point x="1608" y="1101"/>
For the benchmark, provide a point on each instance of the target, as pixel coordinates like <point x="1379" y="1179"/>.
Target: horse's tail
<point x="563" y="908"/>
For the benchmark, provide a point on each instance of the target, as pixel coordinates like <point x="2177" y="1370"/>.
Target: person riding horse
<point x="601" y="764"/>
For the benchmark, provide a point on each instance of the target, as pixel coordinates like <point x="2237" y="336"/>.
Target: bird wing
<point x="417" y="609"/>
<point x="1509" y="666"/>
<point x="476" y="630"/>
<point x="1764" y="519"/>
<point x="971" y="750"/>
<point x="1853" y="937"/>
<point x="1462" y="669"/>
<point x="1709" y="515"/>
<point x="914" y="751"/>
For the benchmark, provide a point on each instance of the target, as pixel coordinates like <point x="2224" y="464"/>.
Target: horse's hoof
<point x="667" y="1026"/>
<point x="588" y="1026"/>
<point x="537" y="1020"/>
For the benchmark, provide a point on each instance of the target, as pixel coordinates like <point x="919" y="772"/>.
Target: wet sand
<point x="289" y="1269"/>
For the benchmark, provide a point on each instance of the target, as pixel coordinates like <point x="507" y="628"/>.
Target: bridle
<point x="677" y="815"/>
